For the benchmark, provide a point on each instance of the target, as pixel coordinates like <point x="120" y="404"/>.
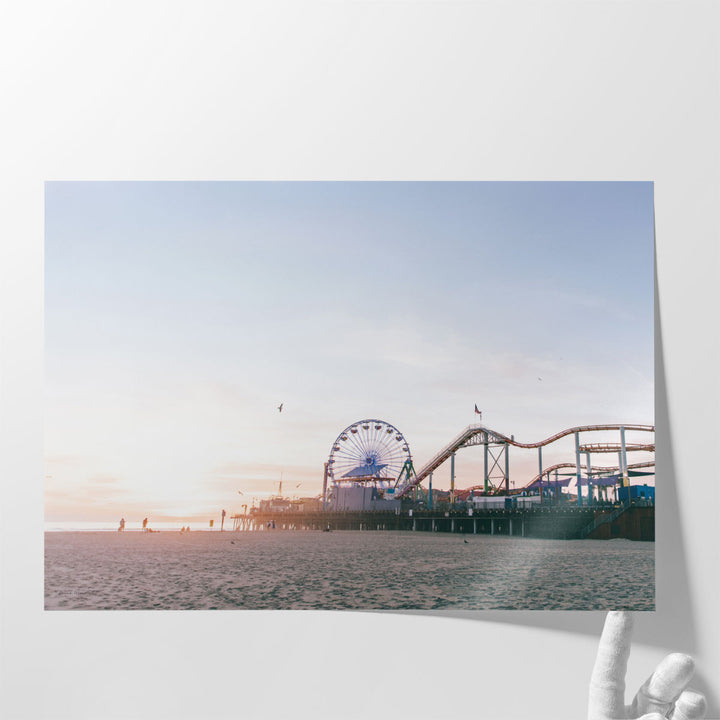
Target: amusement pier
<point x="370" y="483"/>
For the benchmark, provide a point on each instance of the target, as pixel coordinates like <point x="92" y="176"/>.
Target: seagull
<point x="298" y="485"/>
<point x="240" y="492"/>
<point x="280" y="407"/>
<point x="540" y="379"/>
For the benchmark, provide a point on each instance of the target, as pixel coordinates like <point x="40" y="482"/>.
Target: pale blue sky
<point x="179" y="315"/>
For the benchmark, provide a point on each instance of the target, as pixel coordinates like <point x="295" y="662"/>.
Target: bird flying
<point x="280" y="407"/>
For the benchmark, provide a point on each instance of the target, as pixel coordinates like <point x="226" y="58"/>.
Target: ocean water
<point x="130" y="525"/>
<point x="293" y="570"/>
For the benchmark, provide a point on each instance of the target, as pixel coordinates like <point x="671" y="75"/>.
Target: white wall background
<point x="360" y="90"/>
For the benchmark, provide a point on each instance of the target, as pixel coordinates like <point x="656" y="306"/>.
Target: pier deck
<point x="632" y="522"/>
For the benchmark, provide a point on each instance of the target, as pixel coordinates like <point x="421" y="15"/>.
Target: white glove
<point x="663" y="695"/>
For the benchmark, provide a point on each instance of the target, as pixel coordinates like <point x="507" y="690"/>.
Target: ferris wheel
<point x="368" y="451"/>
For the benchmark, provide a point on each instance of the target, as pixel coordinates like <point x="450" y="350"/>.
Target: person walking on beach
<point x="222" y="521"/>
<point x="145" y="525"/>
<point x="122" y="525"/>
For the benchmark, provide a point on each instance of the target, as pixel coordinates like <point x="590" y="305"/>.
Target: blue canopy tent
<point x="551" y="484"/>
<point x="370" y="470"/>
<point x="608" y="480"/>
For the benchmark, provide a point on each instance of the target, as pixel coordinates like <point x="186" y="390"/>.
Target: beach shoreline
<point x="359" y="570"/>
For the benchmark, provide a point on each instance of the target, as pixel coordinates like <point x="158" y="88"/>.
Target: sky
<point x="178" y="316"/>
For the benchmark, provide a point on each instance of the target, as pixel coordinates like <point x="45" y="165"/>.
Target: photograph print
<point x="349" y="395"/>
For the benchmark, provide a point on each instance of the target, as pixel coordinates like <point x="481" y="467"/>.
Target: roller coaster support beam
<point x="540" y="472"/>
<point x="591" y="496"/>
<point x="577" y="468"/>
<point x="485" y="445"/>
<point x="623" y="451"/>
<point x="452" y="479"/>
<point x="430" y="492"/>
<point x="507" y="468"/>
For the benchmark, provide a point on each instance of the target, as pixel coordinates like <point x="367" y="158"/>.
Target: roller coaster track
<point x="479" y="435"/>
<point x="561" y="466"/>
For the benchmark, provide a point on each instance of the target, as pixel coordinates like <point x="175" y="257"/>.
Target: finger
<point x="653" y="716"/>
<point x="607" y="682"/>
<point x="690" y="705"/>
<point x="664" y="686"/>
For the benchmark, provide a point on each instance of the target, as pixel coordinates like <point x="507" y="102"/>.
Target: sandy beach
<point x="342" y="570"/>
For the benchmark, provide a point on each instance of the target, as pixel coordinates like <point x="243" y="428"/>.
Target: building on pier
<point x="641" y="494"/>
<point x="361" y="497"/>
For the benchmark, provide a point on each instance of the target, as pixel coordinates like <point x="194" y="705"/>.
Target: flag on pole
<point x="477" y="412"/>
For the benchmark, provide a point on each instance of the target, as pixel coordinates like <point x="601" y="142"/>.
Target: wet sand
<point x="292" y="570"/>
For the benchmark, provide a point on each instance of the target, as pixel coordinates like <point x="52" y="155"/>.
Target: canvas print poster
<point x="349" y="395"/>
